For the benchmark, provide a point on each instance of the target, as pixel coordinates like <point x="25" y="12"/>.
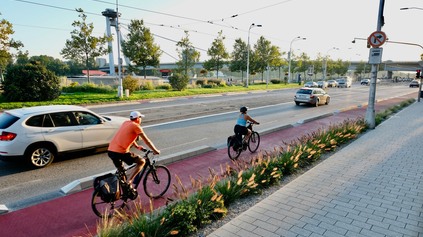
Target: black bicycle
<point x="235" y="145"/>
<point x="156" y="182"/>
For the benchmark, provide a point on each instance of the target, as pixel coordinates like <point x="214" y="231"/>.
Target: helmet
<point x="243" y="109"/>
<point x="135" y="114"/>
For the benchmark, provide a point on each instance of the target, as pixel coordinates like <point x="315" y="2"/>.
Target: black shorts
<point x="238" y="129"/>
<point x="118" y="158"/>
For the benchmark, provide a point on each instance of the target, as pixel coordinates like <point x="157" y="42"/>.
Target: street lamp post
<point x="289" y="56"/>
<point x="248" y="52"/>
<point x="326" y="62"/>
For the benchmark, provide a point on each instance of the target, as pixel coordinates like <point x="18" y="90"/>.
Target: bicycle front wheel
<point x="254" y="142"/>
<point x="157" y="181"/>
<point x="102" y="208"/>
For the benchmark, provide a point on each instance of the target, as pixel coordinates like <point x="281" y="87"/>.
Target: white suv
<point x="38" y="134"/>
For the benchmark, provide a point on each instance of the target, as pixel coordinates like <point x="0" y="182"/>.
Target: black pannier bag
<point x="108" y="187"/>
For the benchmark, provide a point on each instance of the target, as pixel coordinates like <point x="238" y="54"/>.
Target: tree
<point x="83" y="47"/>
<point x="303" y="64"/>
<point x="218" y="54"/>
<point x="265" y="54"/>
<point x="239" y="57"/>
<point x="361" y="68"/>
<point x="188" y="56"/>
<point x="140" y="48"/>
<point x="53" y="64"/>
<point x="75" y="67"/>
<point x="30" y="82"/>
<point x="6" y="43"/>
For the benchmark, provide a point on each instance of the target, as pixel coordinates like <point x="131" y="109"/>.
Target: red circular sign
<point x="377" y="38"/>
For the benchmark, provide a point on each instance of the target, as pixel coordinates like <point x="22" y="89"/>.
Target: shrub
<point x="164" y="87"/>
<point x="215" y="81"/>
<point x="181" y="217"/>
<point x="130" y="83"/>
<point x="88" y="87"/>
<point x="147" y="85"/>
<point x="30" y="82"/>
<point x="179" y="81"/>
<point x="201" y="82"/>
<point x="74" y="83"/>
<point x="275" y="81"/>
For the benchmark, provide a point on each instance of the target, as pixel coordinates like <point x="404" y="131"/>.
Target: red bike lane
<point x="71" y="215"/>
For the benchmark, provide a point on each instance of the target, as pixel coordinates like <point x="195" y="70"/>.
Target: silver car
<point x="312" y="96"/>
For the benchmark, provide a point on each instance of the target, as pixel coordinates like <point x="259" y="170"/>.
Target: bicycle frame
<point x="139" y="176"/>
<point x="241" y="137"/>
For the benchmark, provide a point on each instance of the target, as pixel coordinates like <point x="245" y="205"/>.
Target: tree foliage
<point x="239" y="57"/>
<point x="188" y="56"/>
<point x="6" y="43"/>
<point x="30" y="82"/>
<point x="83" y="47"/>
<point x="53" y="64"/>
<point x="140" y="48"/>
<point x="218" y="55"/>
<point x="265" y="54"/>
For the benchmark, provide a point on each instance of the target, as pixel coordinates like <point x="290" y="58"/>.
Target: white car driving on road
<point x="38" y="134"/>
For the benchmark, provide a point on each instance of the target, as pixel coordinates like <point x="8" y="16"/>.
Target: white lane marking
<point x="183" y="144"/>
<point x="205" y="116"/>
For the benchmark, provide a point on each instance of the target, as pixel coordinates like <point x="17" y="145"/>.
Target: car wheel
<point x="327" y="101"/>
<point x="297" y="103"/>
<point x="317" y="103"/>
<point x="40" y="155"/>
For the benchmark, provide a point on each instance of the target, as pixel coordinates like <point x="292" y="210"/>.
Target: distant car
<point x="322" y="84"/>
<point x="332" y="83"/>
<point x="365" y="82"/>
<point x="312" y="96"/>
<point x="414" y="83"/>
<point x="38" y="134"/>
<point x="344" y="82"/>
<point x="310" y="84"/>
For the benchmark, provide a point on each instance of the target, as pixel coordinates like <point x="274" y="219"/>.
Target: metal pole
<point x="120" y="89"/>
<point x="248" y="51"/>
<point x="370" y="112"/>
<point x="248" y="55"/>
<point x="289" y="56"/>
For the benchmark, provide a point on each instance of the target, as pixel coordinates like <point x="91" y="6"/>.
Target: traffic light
<point x="418" y="73"/>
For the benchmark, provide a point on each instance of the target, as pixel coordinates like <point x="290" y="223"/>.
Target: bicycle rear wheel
<point x="102" y="208"/>
<point x="254" y="142"/>
<point x="157" y="181"/>
<point x="233" y="151"/>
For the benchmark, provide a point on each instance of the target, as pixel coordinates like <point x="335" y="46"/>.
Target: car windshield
<point x="304" y="91"/>
<point x="6" y="120"/>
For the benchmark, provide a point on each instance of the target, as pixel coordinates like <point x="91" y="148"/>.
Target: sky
<point x="329" y="26"/>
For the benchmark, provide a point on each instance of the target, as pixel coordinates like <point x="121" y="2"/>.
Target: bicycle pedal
<point x="132" y="193"/>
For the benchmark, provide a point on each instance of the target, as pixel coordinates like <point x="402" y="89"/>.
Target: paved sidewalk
<point x="372" y="187"/>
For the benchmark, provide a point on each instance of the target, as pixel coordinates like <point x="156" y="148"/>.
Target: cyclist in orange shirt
<point x="124" y="139"/>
